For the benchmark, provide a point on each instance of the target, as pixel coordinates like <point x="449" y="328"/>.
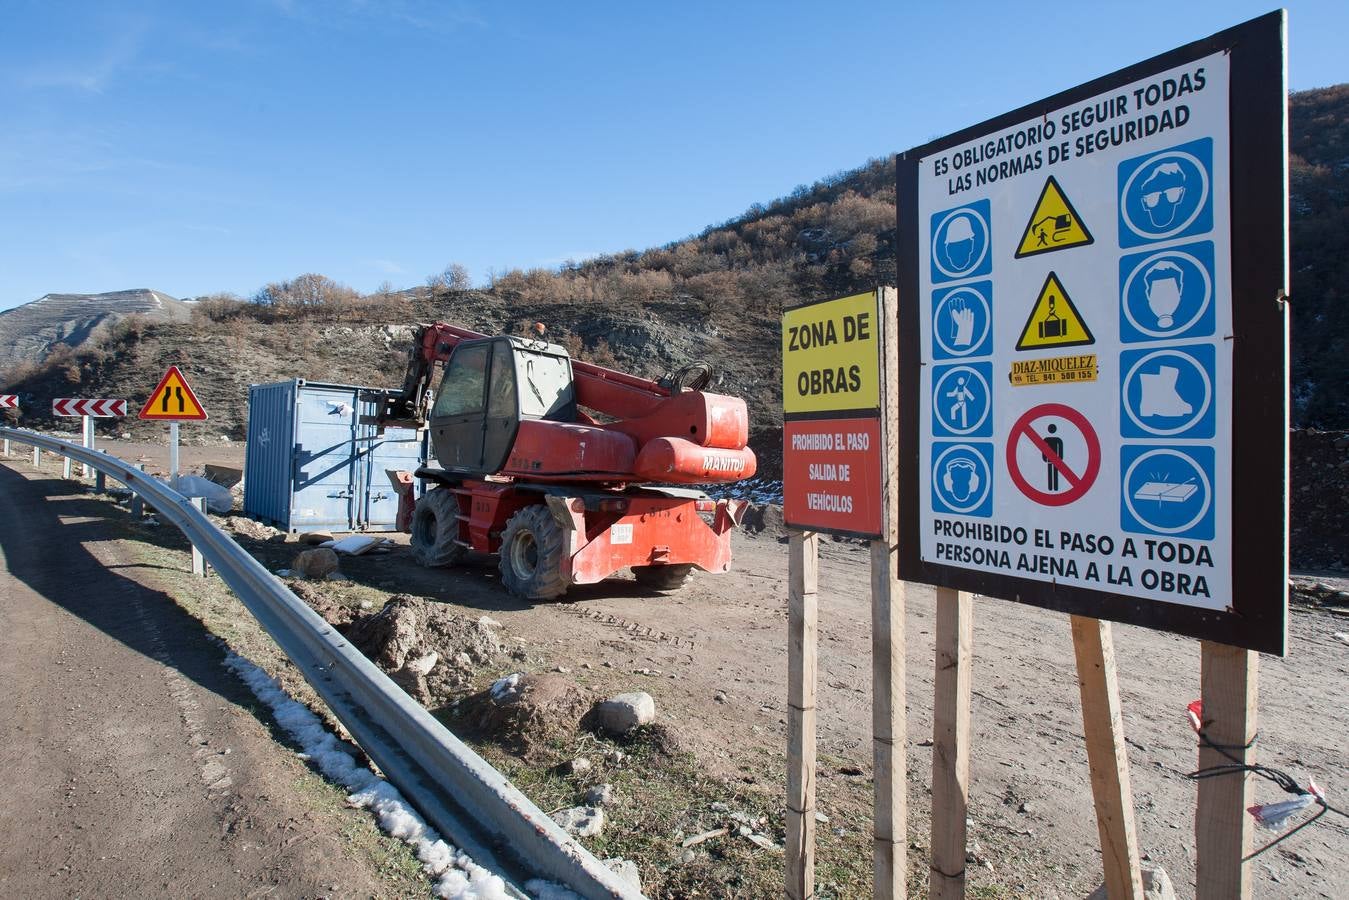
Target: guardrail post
<point x="88" y="424"/>
<point x="6" y="446"/>
<point x="199" y="566"/>
<point x="137" y="501"/>
<point x="100" y="479"/>
<point x="65" y="469"/>
<point x="37" y="457"/>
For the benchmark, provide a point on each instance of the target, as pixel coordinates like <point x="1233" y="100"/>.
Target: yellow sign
<point x="831" y="355"/>
<point x="173" y="400"/>
<point x="1053" y="370"/>
<point x="1054" y="321"/>
<point x="1053" y="224"/>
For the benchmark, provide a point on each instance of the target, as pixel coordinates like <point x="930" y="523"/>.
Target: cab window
<point x="501" y="399"/>
<point x="461" y="390"/>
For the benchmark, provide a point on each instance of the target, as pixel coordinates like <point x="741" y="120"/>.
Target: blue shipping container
<point x="312" y="466"/>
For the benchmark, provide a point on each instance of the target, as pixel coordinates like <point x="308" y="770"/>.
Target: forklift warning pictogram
<point x="173" y="400"/>
<point x="1054" y="224"/>
<point x="1054" y="321"/>
<point x="1053" y="454"/>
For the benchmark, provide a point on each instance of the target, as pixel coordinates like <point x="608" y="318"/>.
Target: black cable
<point x="1279" y="777"/>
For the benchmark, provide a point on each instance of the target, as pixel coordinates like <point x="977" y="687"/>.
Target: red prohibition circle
<point x="1079" y="484"/>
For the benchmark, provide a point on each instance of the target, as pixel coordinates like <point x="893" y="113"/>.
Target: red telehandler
<point x="563" y="497"/>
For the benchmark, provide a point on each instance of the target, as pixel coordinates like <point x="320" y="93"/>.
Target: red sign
<point x="9" y="401"/>
<point x="99" y="409"/>
<point x="1053" y="445"/>
<point x="831" y="475"/>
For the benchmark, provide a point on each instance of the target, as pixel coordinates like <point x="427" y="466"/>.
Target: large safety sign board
<point x="173" y="400"/>
<point x="831" y="438"/>
<point x="1090" y="313"/>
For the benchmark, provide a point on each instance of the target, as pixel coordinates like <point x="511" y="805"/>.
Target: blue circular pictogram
<point x="1165" y="194"/>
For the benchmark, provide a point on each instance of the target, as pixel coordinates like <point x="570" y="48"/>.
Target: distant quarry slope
<point x="29" y="332"/>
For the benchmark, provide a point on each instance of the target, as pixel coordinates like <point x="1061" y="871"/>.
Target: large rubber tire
<point x="435" y="529"/>
<point x="533" y="553"/>
<point x="663" y="578"/>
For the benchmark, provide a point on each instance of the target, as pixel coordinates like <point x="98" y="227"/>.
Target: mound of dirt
<point x="524" y="714"/>
<point x="334" y="612"/>
<point x="428" y="650"/>
<point x="763" y="519"/>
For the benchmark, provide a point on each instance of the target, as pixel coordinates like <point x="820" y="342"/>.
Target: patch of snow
<point x="547" y="890"/>
<point x="454" y="873"/>
<point x="505" y="687"/>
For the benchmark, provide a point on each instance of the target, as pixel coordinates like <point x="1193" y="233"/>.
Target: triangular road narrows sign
<point x="173" y="400"/>
<point x="1053" y="224"/>
<point x="1054" y="320"/>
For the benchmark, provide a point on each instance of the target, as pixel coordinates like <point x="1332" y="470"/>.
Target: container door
<point x="325" y="490"/>
<point x="399" y="449"/>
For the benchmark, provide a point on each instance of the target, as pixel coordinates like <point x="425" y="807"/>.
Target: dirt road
<point x="134" y="763"/>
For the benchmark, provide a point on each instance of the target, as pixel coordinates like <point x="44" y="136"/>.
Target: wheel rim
<point x="524" y="554"/>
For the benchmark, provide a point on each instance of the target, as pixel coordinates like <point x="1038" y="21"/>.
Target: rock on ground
<point x="622" y="714"/>
<point x="581" y="821"/>
<point x="627" y="870"/>
<point x="600" y="795"/>
<point x="314" y="564"/>
<point x="1156" y="886"/>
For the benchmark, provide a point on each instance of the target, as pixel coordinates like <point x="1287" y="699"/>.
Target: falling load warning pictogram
<point x="173" y="400"/>
<point x="1054" y="321"/>
<point x="1053" y="225"/>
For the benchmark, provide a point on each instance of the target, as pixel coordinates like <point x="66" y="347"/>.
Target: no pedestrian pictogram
<point x="1053" y="454"/>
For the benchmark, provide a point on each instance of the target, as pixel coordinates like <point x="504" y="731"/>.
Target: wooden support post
<point x="1223" y="829"/>
<point x="889" y="721"/>
<point x="1106" y="756"/>
<point x="954" y="631"/>
<point x="803" y="578"/>
<point x="889" y="724"/>
<point x="199" y="567"/>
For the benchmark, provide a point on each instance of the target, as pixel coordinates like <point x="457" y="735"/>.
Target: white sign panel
<point x="1075" y="315"/>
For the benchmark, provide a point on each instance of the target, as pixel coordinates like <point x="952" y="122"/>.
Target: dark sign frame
<point x="1257" y="616"/>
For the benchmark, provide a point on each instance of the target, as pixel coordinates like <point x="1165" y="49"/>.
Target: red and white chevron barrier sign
<point x="9" y="401"/>
<point x="99" y="409"/>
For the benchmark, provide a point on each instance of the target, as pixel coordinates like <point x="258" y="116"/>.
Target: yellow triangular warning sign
<point x="173" y="400"/>
<point x="1054" y="321"/>
<point x="1053" y="224"/>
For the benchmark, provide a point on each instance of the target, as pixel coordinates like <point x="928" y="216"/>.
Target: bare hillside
<point x="28" y="333"/>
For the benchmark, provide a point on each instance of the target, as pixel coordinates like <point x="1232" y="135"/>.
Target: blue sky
<point x="200" y="147"/>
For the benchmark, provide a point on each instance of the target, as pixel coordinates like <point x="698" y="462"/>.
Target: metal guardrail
<point x="458" y="792"/>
